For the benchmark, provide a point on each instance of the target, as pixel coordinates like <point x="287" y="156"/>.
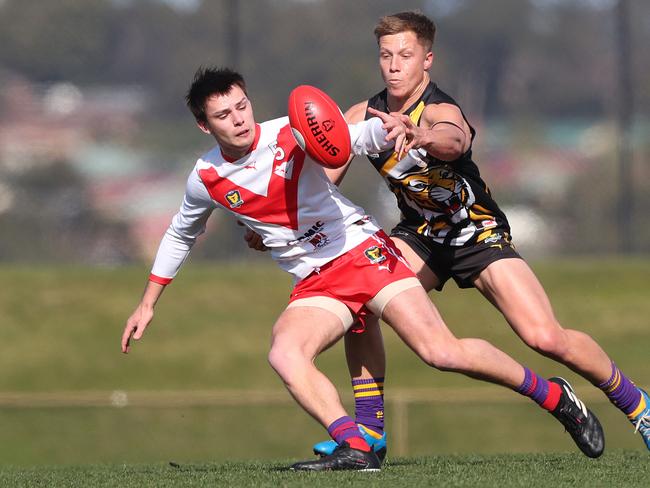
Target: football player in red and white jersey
<point x="343" y="264"/>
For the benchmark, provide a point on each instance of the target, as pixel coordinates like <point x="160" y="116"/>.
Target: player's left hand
<point x="394" y="125"/>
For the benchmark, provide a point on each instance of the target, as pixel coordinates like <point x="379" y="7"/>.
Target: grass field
<point x="619" y="468"/>
<point x="200" y="391"/>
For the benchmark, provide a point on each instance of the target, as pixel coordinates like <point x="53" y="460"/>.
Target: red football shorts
<point x="365" y="278"/>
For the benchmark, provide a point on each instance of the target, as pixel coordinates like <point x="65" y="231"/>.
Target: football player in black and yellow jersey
<point x="451" y="227"/>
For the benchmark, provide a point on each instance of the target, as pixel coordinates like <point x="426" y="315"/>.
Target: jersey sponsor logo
<point x="234" y="199"/>
<point x="311" y="233"/>
<point x="375" y="254"/>
<point x="319" y="240"/>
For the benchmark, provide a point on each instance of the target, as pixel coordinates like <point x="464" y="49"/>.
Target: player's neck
<point x="231" y="154"/>
<point x="401" y="104"/>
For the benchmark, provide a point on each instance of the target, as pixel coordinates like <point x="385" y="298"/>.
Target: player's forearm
<point x="151" y="294"/>
<point x="366" y="137"/>
<point x="186" y="226"/>
<point x="369" y="137"/>
<point x="446" y="143"/>
<point x="336" y="175"/>
<point x="172" y="253"/>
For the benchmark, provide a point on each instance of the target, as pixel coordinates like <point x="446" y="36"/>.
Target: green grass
<point x="61" y="329"/>
<point x="620" y="468"/>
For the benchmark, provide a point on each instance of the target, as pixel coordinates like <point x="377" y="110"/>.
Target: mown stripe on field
<point x="196" y="398"/>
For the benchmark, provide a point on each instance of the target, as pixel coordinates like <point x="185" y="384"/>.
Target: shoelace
<point x="574" y="409"/>
<point x="576" y="401"/>
<point x="643" y="424"/>
<point x="572" y="424"/>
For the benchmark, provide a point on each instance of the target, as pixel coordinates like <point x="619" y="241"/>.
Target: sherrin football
<point x="318" y="126"/>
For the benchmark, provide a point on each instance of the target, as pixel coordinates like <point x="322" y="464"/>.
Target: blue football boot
<point x="641" y="418"/>
<point x="374" y="440"/>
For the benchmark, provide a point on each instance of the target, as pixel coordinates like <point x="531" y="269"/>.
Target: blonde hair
<point x="416" y="22"/>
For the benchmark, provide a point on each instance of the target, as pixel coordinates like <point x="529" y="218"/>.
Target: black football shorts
<point x="462" y="263"/>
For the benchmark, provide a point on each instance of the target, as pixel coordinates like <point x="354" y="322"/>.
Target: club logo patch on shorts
<point x="375" y="254"/>
<point x="234" y="199"/>
<point x="496" y="237"/>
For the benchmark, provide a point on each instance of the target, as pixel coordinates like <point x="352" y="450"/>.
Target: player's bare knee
<point x="438" y="357"/>
<point x="285" y="359"/>
<point x="550" y="341"/>
<point x="275" y="360"/>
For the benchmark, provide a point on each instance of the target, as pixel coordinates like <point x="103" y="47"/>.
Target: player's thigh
<point x="426" y="276"/>
<point x="307" y="330"/>
<point x="514" y="289"/>
<point x="418" y="323"/>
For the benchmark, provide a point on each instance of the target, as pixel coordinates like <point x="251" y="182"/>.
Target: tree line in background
<point x="523" y="70"/>
<point x="502" y="57"/>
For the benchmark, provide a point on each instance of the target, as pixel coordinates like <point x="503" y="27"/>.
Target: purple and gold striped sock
<point x="621" y="391"/>
<point x="369" y="403"/>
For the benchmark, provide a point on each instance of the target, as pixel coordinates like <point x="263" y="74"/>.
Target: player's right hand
<point x="252" y="238"/>
<point x="135" y="325"/>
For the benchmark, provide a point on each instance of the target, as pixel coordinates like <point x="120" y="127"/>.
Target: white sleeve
<point x="186" y="226"/>
<point x="368" y="137"/>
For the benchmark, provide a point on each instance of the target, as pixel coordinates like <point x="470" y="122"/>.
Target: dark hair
<point x="416" y="22"/>
<point x="208" y="82"/>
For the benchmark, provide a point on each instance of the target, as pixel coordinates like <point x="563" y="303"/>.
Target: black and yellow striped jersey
<point x="444" y="200"/>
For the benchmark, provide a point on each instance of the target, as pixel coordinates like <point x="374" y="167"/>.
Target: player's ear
<point x="428" y="60"/>
<point x="203" y="126"/>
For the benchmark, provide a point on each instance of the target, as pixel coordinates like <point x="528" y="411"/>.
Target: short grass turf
<point x="61" y="328"/>
<point x="618" y="468"/>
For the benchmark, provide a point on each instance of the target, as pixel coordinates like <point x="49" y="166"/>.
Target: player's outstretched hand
<point x="416" y="136"/>
<point x="135" y="325"/>
<point x="396" y="128"/>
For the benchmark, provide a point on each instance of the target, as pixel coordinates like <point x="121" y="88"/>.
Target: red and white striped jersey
<point x="280" y="193"/>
